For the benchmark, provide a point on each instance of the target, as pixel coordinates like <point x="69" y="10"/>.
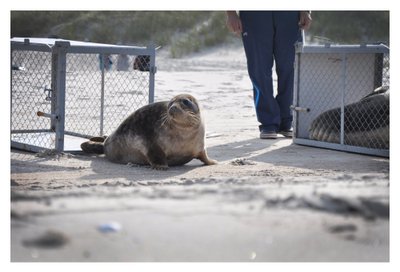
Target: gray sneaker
<point x="287" y="133"/>
<point x="268" y="134"/>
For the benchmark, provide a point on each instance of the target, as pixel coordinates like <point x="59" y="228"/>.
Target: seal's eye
<point x="187" y="103"/>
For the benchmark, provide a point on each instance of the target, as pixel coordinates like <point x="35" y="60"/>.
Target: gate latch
<point x="300" y="109"/>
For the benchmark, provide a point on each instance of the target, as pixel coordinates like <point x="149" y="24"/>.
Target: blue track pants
<point x="270" y="36"/>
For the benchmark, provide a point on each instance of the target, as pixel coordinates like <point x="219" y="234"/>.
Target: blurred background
<point x="185" y="32"/>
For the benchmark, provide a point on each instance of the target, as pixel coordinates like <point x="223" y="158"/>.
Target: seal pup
<point x="366" y="122"/>
<point x="161" y="134"/>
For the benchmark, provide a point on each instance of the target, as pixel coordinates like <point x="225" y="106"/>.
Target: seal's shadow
<point x="104" y="169"/>
<point x="256" y="150"/>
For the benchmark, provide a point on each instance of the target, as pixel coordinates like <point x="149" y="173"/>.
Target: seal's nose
<point x="174" y="110"/>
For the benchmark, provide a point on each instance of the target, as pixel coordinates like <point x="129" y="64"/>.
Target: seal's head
<point x="183" y="110"/>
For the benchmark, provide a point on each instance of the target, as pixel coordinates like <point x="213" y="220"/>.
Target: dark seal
<point x="161" y="134"/>
<point x="366" y="122"/>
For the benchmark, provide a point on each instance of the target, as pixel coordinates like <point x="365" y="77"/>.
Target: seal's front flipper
<point x="157" y="158"/>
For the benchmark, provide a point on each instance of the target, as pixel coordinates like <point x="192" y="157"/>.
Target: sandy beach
<point x="266" y="200"/>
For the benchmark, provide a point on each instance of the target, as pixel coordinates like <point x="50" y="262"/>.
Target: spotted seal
<point x="160" y="134"/>
<point x="366" y="122"/>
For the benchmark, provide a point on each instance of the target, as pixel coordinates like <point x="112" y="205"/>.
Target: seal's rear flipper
<point x="205" y="159"/>
<point x="93" y="147"/>
<point x="99" y="139"/>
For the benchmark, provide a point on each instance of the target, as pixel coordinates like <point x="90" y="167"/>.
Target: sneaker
<point x="264" y="134"/>
<point x="288" y="133"/>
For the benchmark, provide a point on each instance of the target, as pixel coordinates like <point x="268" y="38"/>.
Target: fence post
<point x="59" y="66"/>
<point x="103" y="60"/>
<point x="343" y="99"/>
<point x="152" y="71"/>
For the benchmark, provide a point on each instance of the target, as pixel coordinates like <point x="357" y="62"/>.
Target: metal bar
<point x="47" y="115"/>
<point x="152" y="72"/>
<point x="348" y="148"/>
<point x="11" y="88"/>
<point x="354" y="49"/>
<point x="83" y="49"/>
<point x="27" y="147"/>
<point x="46" y="44"/>
<point x="53" y="99"/>
<point x="18" y="131"/>
<point x="109" y="50"/>
<point x="30" y="47"/>
<point x="299" y="109"/>
<point x="296" y="90"/>
<point x="378" y="70"/>
<point x="103" y="60"/>
<point x="60" y="53"/>
<point x="71" y="133"/>
<point x="344" y="73"/>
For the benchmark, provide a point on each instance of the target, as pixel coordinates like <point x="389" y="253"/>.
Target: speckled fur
<point x="161" y="134"/>
<point x="366" y="122"/>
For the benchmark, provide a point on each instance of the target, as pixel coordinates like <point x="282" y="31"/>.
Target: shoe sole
<point x="272" y="136"/>
<point x="286" y="134"/>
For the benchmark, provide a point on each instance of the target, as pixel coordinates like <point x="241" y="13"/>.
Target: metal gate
<point x="337" y="103"/>
<point x="65" y="91"/>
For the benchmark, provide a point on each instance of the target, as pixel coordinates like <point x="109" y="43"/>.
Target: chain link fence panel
<point x="341" y="98"/>
<point x="61" y="95"/>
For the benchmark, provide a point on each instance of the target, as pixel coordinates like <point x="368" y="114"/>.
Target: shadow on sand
<point x="279" y="152"/>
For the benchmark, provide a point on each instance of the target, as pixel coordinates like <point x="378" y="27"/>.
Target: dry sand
<point x="266" y="200"/>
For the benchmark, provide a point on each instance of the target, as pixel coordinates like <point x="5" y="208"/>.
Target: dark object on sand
<point x="142" y="63"/>
<point x="50" y="239"/>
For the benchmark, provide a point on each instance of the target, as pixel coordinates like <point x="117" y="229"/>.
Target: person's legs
<point x="287" y="33"/>
<point x="257" y="38"/>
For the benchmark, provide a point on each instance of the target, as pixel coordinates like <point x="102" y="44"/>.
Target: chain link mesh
<point x="326" y="81"/>
<point x="100" y="91"/>
<point x="31" y="84"/>
<point x="125" y="90"/>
